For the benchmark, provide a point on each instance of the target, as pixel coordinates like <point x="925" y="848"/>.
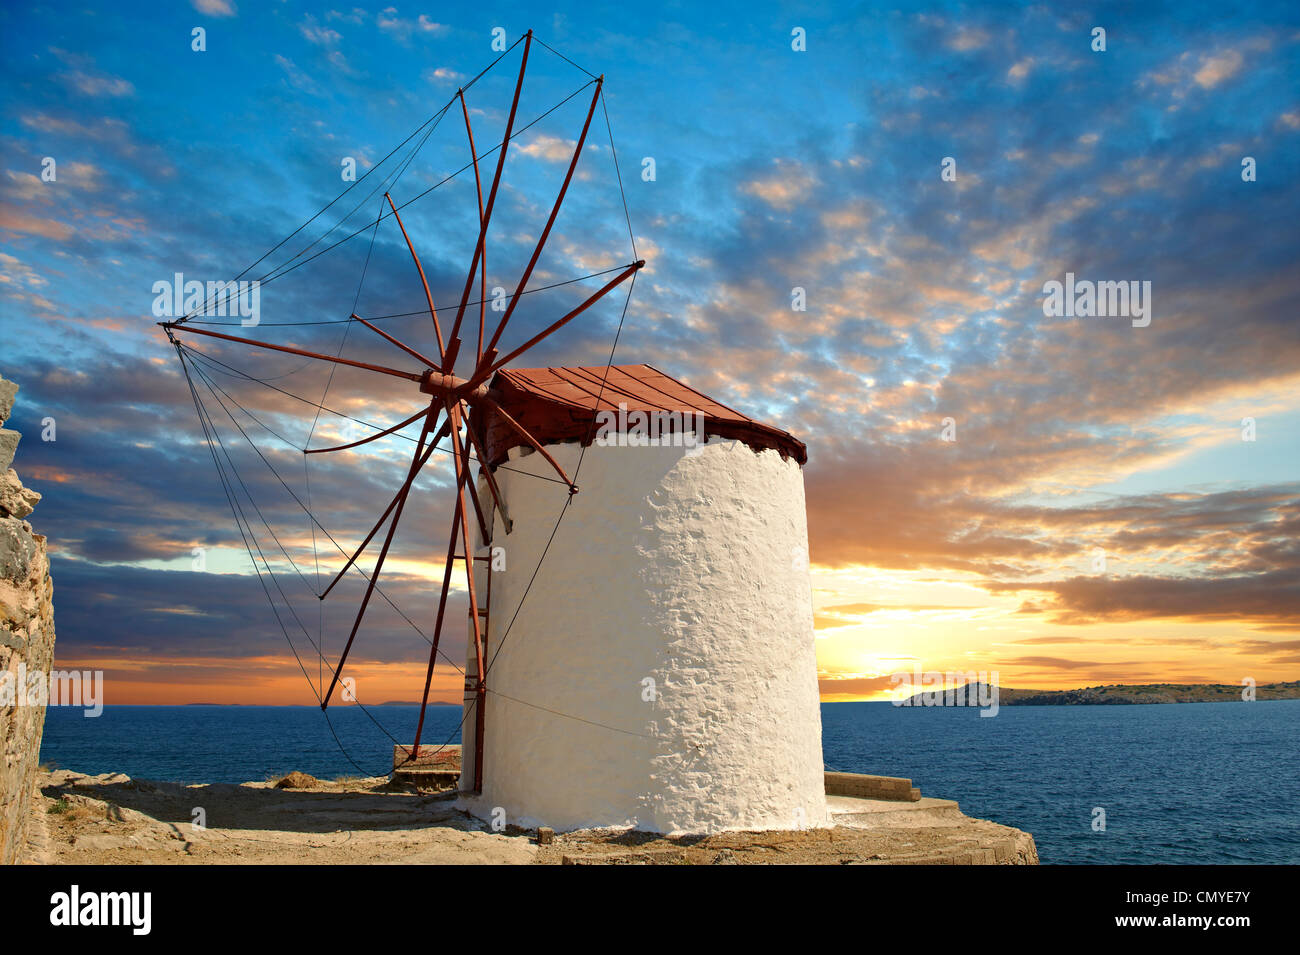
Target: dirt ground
<point x="115" y="820"/>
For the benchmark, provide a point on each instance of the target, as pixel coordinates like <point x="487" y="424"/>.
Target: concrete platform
<point x="857" y="812"/>
<point x="875" y="820"/>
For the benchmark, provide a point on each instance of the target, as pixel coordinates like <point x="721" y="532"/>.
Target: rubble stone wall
<point x="26" y="638"/>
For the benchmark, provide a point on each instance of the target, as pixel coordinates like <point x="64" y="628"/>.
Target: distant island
<point x="415" y="703"/>
<point x="1108" y="694"/>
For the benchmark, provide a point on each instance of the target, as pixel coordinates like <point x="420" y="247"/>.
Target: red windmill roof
<point x="560" y="404"/>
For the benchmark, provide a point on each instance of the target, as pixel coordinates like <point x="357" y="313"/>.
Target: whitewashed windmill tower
<point x="661" y="672"/>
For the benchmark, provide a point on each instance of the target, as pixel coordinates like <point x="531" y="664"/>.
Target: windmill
<point x="449" y="379"/>
<point x="662" y="675"/>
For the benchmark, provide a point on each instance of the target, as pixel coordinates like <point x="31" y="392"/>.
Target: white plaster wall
<point x="690" y="569"/>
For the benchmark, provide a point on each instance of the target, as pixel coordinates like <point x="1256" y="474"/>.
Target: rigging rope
<point x="421" y="311"/>
<point x="250" y="543"/>
<point x="232" y="372"/>
<point x="379" y="590"/>
<point x="435" y="117"/>
<point x="213" y="438"/>
<point x="280" y="271"/>
<point x="306" y="461"/>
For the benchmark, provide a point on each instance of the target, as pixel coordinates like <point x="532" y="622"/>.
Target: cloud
<point x="854" y="686"/>
<point x="183" y="613"/>
<point x="215" y="8"/>
<point x="1020" y="69"/>
<point x="862" y="609"/>
<point x="549" y="148"/>
<point x="12" y="220"/>
<point x="98" y="85"/>
<point x="782" y="188"/>
<point x="296" y="77"/>
<point x="25" y="186"/>
<point x="17" y="272"/>
<point x="1213" y="70"/>
<point x="1268" y="597"/>
<point x="22" y="284"/>
<point x="443" y="76"/>
<point x="403" y="29"/>
<point x="1190" y="72"/>
<point x="355" y="16"/>
<point x="965" y="39"/>
<point x="85" y="79"/>
<point x="1065" y="664"/>
<point x="315" y="33"/>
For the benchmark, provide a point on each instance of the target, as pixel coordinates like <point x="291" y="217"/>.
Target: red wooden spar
<point x="453" y="399"/>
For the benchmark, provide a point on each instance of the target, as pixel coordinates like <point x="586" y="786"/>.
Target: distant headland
<point x="1109" y="694"/>
<point x="417" y="703"/>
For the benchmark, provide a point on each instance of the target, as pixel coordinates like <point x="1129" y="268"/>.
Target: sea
<point x="1202" y="783"/>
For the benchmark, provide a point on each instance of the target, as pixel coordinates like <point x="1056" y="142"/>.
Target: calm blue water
<point x="235" y="744"/>
<point x="1180" y="783"/>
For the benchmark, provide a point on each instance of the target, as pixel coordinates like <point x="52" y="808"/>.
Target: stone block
<point x="8" y="390"/>
<point x="8" y="448"/>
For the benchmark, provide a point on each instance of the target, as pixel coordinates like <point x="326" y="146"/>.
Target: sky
<point x="1060" y="500"/>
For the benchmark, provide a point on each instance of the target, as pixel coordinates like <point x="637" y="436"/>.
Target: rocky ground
<point x="115" y="820"/>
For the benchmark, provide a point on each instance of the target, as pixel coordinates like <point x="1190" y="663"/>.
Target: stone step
<point x="871" y="787"/>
